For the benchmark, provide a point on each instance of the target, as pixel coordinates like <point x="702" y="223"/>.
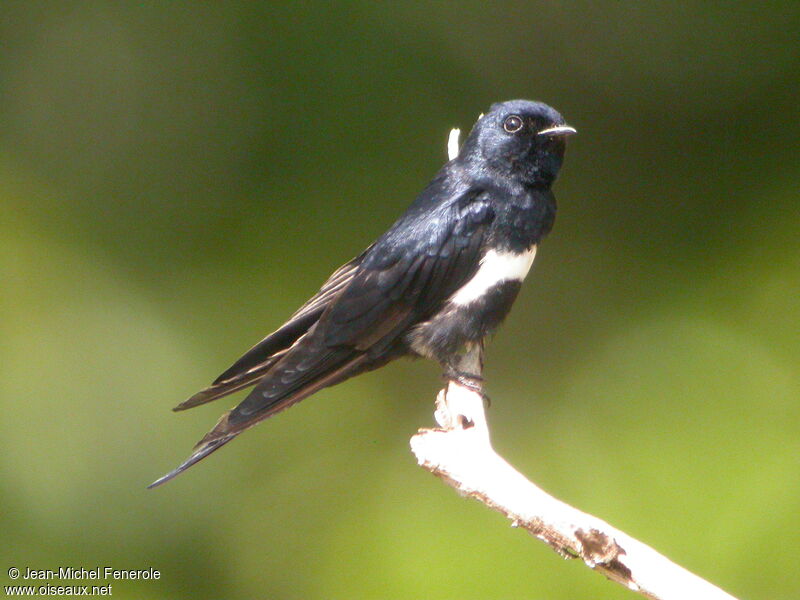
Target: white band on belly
<point x="495" y="267"/>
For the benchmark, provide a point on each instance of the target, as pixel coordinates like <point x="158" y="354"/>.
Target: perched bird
<point x="435" y="284"/>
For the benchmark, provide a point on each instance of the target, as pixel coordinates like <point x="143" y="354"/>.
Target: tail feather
<point x="229" y="386"/>
<point x="257" y="361"/>
<point x="281" y="382"/>
<point x="259" y="408"/>
<point x="213" y="440"/>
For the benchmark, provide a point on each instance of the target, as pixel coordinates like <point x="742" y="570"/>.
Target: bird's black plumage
<point x="436" y="283"/>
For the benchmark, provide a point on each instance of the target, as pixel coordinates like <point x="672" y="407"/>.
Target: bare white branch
<point x="460" y="452"/>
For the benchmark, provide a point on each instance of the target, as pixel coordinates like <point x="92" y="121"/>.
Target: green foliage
<point x="176" y="178"/>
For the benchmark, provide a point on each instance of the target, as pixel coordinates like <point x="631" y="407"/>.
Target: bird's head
<point x="519" y="139"/>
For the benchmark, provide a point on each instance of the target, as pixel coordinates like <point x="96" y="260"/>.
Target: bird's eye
<point x="513" y="124"/>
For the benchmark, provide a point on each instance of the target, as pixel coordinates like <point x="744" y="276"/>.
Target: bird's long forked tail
<point x="213" y="440"/>
<point x="255" y="408"/>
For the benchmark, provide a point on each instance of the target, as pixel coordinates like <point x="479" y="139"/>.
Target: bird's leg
<point x="467" y="370"/>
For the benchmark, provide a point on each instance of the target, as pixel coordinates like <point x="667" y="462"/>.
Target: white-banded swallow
<point x="441" y="279"/>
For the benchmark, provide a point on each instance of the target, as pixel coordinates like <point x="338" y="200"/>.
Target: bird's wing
<point x="409" y="273"/>
<point x="258" y="360"/>
<point x="401" y="279"/>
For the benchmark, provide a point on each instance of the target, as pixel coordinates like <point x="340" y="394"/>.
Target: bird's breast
<point x="495" y="268"/>
<point x="475" y="309"/>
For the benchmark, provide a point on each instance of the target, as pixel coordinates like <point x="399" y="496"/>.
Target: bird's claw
<point x="470" y="381"/>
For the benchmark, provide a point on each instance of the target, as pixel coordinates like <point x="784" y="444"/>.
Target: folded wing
<point x="254" y="364"/>
<point x="358" y="319"/>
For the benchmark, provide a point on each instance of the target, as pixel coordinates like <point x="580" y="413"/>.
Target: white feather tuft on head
<point x="452" y="143"/>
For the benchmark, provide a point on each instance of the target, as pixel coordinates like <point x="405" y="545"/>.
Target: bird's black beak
<point x="558" y="130"/>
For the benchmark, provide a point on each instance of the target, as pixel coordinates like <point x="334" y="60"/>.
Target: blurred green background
<point x="176" y="178"/>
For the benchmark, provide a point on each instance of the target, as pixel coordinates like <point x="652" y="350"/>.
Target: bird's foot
<point x="470" y="381"/>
